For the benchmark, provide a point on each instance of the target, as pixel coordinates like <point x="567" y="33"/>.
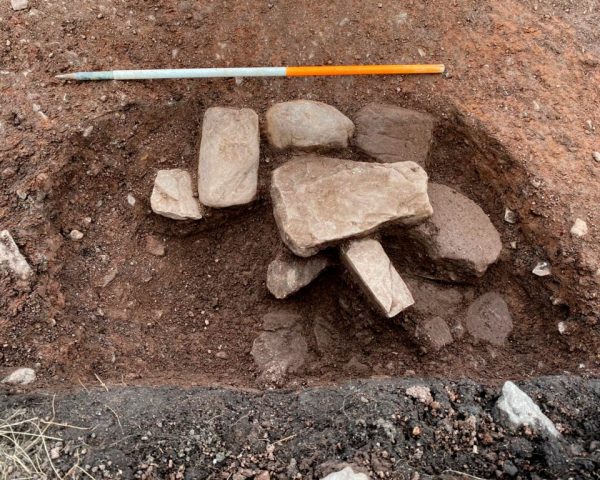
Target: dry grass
<point x="24" y="446"/>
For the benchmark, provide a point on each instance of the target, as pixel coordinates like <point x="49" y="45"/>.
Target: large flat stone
<point x="11" y="258"/>
<point x="394" y="134"/>
<point x="459" y="238"/>
<point x="306" y="124"/>
<point x="173" y="197"/>
<point x="229" y="156"/>
<point x="372" y="268"/>
<point x="288" y="273"/>
<point x="320" y="201"/>
<point x="489" y="319"/>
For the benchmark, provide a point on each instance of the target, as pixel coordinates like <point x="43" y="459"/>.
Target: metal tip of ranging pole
<point x="333" y="70"/>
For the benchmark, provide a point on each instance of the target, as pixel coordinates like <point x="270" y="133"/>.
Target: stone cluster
<point x="327" y="207"/>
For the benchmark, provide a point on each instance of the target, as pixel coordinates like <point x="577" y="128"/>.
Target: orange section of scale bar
<point x="363" y="70"/>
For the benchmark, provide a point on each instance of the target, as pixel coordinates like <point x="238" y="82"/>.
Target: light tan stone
<point x="11" y="258"/>
<point x="374" y="271"/>
<point x="320" y="201"/>
<point x="229" y="156"/>
<point x="288" y="273"/>
<point x="306" y="124"/>
<point x="172" y="196"/>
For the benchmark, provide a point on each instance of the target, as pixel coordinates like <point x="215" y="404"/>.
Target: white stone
<point x="374" y="271"/>
<point x="579" y="228"/>
<point x="22" y="376"/>
<point x="346" y="474"/>
<point x="307" y="124"/>
<point x="19" y="4"/>
<point x="596" y="156"/>
<point x="172" y="196"/>
<point x="542" y="269"/>
<point x="289" y="273"/>
<point x="11" y="258"/>
<point x="519" y="409"/>
<point x="76" y="235"/>
<point x="130" y="199"/>
<point x="320" y="201"/>
<point x="229" y="157"/>
<point x="420" y="393"/>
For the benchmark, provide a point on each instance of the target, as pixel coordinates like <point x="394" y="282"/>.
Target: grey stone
<point x="281" y="348"/>
<point x="433" y="333"/>
<point x="459" y="238"/>
<point x="579" y="228"/>
<point x="320" y="201"/>
<point x="517" y="409"/>
<point x="173" y="197"/>
<point x="346" y="474"/>
<point x="19" y="4"/>
<point x="489" y="320"/>
<point x="21" y="376"/>
<point x="229" y="156"/>
<point x="394" y="134"/>
<point x="11" y="259"/>
<point x="375" y="273"/>
<point x="306" y="124"/>
<point x="420" y="393"/>
<point x="288" y="273"/>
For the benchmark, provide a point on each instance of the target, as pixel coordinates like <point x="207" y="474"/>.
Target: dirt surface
<point x="513" y="132"/>
<point x="169" y="433"/>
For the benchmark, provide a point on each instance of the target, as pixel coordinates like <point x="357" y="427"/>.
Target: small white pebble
<point x="76" y="235"/>
<point x="88" y="131"/>
<point x="542" y="269"/>
<point x="562" y="327"/>
<point x="19" y="4"/>
<point x="596" y="156"/>
<point x="510" y="216"/>
<point x="131" y="199"/>
<point x="579" y="228"/>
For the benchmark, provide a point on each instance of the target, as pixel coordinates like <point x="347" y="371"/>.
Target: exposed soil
<point x="522" y="83"/>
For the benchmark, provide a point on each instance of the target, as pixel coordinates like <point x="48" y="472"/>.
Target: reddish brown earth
<point x="522" y="83"/>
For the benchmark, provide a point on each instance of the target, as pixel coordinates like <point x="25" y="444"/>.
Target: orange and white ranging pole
<point x="256" y="72"/>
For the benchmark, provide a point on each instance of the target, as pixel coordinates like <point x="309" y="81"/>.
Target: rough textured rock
<point x="229" y="155"/>
<point x="11" y="259"/>
<point x="22" y="376"/>
<point x="306" y="124"/>
<point x="489" y="320"/>
<point x="346" y="474"/>
<point x="288" y="273"/>
<point x="172" y="196"/>
<point x="281" y="347"/>
<point x="374" y="271"/>
<point x="319" y="201"/>
<point x="516" y="408"/>
<point x="420" y="393"/>
<point x="155" y="246"/>
<point x="394" y="134"/>
<point x="433" y="333"/>
<point x="19" y="4"/>
<point x="459" y="238"/>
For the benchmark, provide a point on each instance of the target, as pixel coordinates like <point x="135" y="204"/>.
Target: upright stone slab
<point x="229" y="155"/>
<point x="172" y="195"/>
<point x="394" y="134"/>
<point x="459" y="238"/>
<point x="320" y="201"/>
<point x="306" y="124"/>
<point x="374" y="271"/>
<point x="11" y="258"/>
<point x="288" y="273"/>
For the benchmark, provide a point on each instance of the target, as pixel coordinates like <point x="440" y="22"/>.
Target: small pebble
<point x="510" y="216"/>
<point x="19" y="4"/>
<point x="76" y="235"/>
<point x="579" y="228"/>
<point x="542" y="269"/>
<point x="131" y="199"/>
<point x="596" y="156"/>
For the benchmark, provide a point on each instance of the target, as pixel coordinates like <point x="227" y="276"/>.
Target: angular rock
<point x="172" y="195"/>
<point x="155" y="246"/>
<point x="516" y="408"/>
<point x="21" y="376"/>
<point x="19" y="4"/>
<point x="11" y="259"/>
<point x="433" y="333"/>
<point x="489" y="320"/>
<point x="288" y="273"/>
<point x="420" y="393"/>
<point x="229" y="155"/>
<point x="579" y="228"/>
<point x="320" y="201"/>
<point x="306" y="124"/>
<point x="281" y="348"/>
<point x="346" y="474"/>
<point x="394" y="134"/>
<point x="459" y="238"/>
<point x="375" y="273"/>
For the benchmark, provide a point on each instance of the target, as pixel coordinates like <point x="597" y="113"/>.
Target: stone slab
<point x="11" y="258"/>
<point x="288" y="273"/>
<point x="173" y="197"/>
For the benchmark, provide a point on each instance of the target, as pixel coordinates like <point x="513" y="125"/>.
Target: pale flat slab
<point x="229" y="156"/>
<point x="172" y="195"/>
<point x="288" y="273"/>
<point x="374" y="271"/>
<point x="320" y="201"/>
<point x="11" y="258"/>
